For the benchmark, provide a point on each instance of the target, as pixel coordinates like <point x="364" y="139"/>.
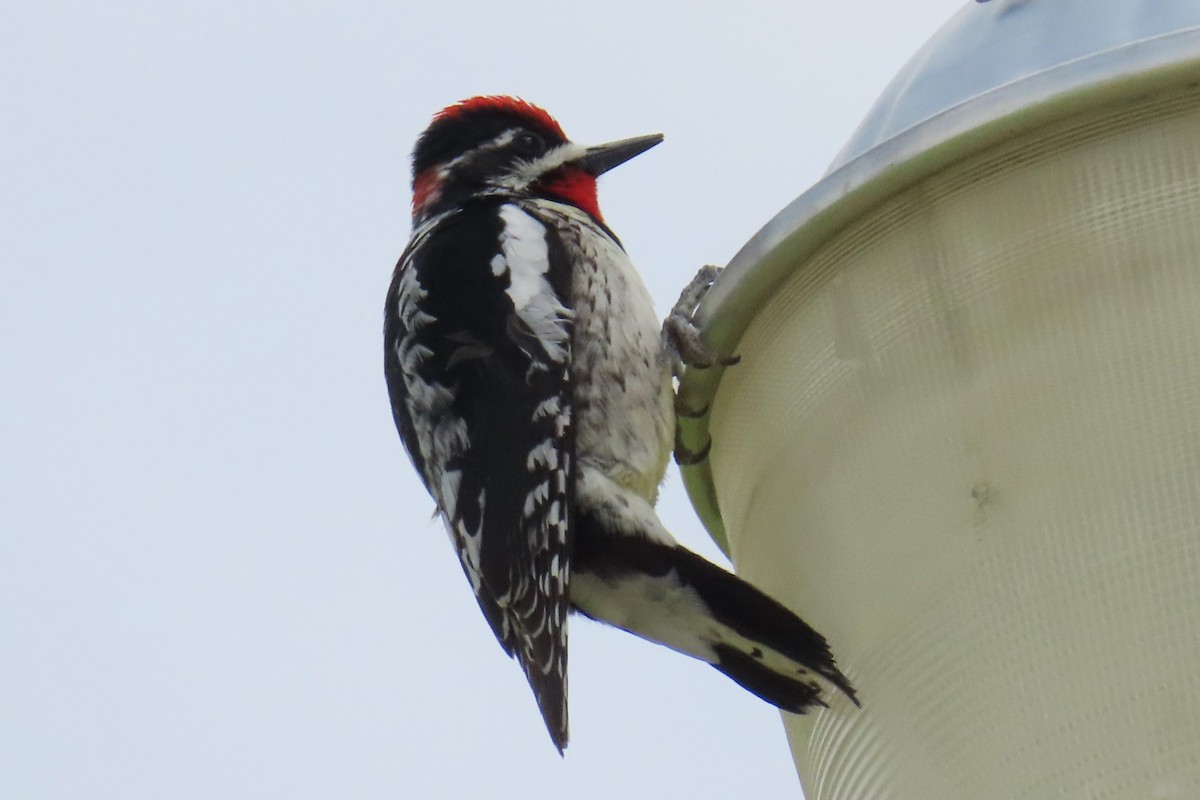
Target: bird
<point x="532" y="387"/>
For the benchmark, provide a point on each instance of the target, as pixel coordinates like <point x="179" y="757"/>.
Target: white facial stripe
<point x="524" y="172"/>
<point x="502" y="140"/>
<point x="529" y="171"/>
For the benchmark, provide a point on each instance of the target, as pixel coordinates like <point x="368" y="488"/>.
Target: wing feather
<point x="478" y="351"/>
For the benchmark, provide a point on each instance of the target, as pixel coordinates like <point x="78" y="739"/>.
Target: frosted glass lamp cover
<point x="964" y="437"/>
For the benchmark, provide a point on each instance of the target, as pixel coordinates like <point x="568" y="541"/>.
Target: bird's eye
<point x="529" y="143"/>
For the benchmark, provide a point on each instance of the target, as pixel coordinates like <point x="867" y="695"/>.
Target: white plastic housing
<point x="964" y="443"/>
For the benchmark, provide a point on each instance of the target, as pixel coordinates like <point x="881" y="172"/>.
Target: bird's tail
<point x="669" y="595"/>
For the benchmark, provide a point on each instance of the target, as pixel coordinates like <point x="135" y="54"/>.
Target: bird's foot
<point x="681" y="337"/>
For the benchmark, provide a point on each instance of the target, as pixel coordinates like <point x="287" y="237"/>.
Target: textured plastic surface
<point x="997" y="70"/>
<point x="964" y="441"/>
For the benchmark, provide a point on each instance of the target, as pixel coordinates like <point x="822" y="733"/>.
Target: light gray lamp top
<point x="997" y="68"/>
<point x="988" y="45"/>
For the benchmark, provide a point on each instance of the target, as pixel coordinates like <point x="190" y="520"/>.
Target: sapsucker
<point x="532" y="387"/>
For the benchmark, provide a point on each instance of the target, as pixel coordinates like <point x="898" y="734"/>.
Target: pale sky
<point x="219" y="575"/>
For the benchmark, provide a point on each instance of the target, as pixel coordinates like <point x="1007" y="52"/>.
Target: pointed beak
<point x="603" y="157"/>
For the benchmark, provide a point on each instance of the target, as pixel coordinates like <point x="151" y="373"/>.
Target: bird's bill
<point x="603" y="157"/>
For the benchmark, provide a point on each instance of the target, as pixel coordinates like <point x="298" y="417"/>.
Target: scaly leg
<point x="685" y="347"/>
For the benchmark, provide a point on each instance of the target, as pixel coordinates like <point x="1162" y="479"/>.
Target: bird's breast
<point x="624" y="415"/>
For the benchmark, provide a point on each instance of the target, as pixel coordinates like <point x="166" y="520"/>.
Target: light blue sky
<point x="218" y="574"/>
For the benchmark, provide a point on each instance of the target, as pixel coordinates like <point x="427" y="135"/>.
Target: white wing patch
<point x="526" y="260"/>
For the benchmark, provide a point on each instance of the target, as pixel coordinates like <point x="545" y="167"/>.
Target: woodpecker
<point x="532" y="388"/>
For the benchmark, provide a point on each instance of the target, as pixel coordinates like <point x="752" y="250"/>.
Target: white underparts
<point x="659" y="609"/>
<point x="662" y="610"/>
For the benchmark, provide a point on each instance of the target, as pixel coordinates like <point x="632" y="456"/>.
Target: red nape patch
<point x="495" y="102"/>
<point x="426" y="187"/>
<point x="572" y="185"/>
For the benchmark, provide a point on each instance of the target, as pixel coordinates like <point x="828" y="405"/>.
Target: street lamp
<point x="964" y="437"/>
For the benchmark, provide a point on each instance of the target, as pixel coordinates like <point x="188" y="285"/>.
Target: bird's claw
<point x="681" y="337"/>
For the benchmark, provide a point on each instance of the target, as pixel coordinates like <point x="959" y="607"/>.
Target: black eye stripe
<point x="529" y="143"/>
<point x="450" y="138"/>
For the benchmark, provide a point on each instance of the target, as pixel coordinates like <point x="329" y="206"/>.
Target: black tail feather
<point x="733" y="603"/>
<point x="758" y="616"/>
<point x="781" y="691"/>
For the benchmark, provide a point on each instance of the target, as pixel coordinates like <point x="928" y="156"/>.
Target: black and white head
<point x="497" y="145"/>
